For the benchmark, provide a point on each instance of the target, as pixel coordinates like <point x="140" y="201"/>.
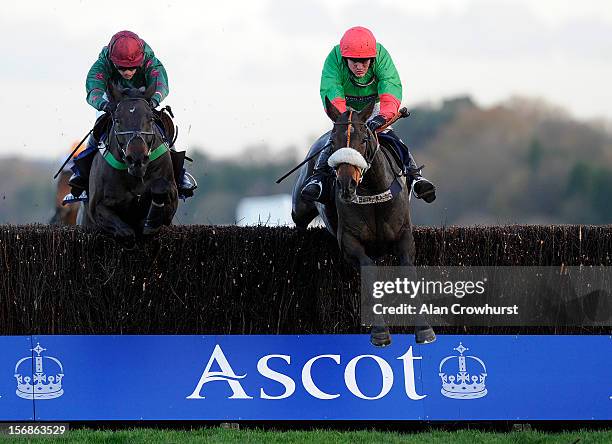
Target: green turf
<point x="218" y="435"/>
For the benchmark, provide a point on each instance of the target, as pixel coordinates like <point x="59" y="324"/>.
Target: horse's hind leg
<point x="302" y="212"/>
<point x="81" y="216"/>
<point x="355" y="254"/>
<point x="423" y="332"/>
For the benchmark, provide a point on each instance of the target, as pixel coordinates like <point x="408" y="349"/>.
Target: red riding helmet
<point x="126" y="49"/>
<point x="358" y="43"/>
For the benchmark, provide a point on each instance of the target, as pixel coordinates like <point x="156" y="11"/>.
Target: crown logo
<point x="457" y="383"/>
<point x="33" y="382"/>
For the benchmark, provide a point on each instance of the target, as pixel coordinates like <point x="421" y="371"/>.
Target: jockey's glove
<point x="153" y="103"/>
<point x="376" y="122"/>
<point x="109" y="107"/>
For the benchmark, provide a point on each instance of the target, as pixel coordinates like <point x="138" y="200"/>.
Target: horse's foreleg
<point x="110" y="222"/>
<point x="354" y="253"/>
<point x="405" y="250"/>
<point x="161" y="209"/>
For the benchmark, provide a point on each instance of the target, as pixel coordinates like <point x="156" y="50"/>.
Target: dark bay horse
<point x="132" y="190"/>
<point x="365" y="220"/>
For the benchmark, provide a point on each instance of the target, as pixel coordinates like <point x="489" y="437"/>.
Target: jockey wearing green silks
<point x="126" y="62"/>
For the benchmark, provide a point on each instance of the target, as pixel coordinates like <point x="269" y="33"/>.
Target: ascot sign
<point x="228" y="376"/>
<point x="305" y="377"/>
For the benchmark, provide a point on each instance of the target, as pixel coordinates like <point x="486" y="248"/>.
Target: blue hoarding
<point x="313" y="377"/>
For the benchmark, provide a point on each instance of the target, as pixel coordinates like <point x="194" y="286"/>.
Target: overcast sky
<point x="247" y="72"/>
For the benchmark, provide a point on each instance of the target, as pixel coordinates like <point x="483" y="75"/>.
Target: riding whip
<point x="401" y="114"/>
<point x="315" y="154"/>
<point x="72" y="154"/>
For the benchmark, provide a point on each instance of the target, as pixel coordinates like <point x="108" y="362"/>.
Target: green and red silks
<point x="381" y="83"/>
<point x="152" y="72"/>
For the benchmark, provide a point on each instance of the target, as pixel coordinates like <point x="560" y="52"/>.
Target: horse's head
<point x="133" y="127"/>
<point x="354" y="147"/>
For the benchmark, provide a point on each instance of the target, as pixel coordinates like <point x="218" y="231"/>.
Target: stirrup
<point x="413" y="171"/>
<point x="189" y="183"/>
<point x="70" y="198"/>
<point x="185" y="189"/>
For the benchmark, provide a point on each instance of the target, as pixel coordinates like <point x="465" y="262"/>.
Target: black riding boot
<point x="421" y="187"/>
<point x="317" y="186"/>
<point x="185" y="182"/>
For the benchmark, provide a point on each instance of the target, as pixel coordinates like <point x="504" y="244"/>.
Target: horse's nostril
<point x="129" y="158"/>
<point x="146" y="158"/>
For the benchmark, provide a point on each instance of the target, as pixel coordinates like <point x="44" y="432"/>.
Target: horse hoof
<point x="380" y="336"/>
<point x="424" y="335"/>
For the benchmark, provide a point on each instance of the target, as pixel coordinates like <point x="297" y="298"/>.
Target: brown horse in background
<point x="65" y="214"/>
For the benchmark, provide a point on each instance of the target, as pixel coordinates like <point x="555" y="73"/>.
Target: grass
<point x="220" y="435"/>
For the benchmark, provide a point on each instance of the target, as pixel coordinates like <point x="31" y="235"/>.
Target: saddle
<point x="163" y="119"/>
<point x="102" y="126"/>
<point x="394" y="149"/>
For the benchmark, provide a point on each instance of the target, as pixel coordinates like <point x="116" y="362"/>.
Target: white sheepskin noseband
<point x="347" y="155"/>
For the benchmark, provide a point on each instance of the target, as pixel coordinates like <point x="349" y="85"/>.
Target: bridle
<point x="133" y="134"/>
<point x="369" y="133"/>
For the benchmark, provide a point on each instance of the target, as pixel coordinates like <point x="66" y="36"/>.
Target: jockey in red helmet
<point x="357" y="71"/>
<point x="129" y="62"/>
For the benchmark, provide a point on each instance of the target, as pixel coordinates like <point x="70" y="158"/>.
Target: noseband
<point x="133" y="134"/>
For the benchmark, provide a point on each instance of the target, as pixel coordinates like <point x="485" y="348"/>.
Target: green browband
<point x="119" y="165"/>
